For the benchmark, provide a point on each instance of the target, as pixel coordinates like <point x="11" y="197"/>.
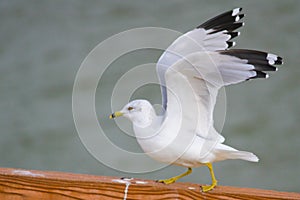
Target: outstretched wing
<point x="215" y="34"/>
<point x="193" y="84"/>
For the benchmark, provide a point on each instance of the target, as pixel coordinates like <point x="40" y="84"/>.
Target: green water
<point x="44" y="42"/>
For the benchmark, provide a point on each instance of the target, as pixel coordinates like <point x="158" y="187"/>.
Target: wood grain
<point x="20" y="184"/>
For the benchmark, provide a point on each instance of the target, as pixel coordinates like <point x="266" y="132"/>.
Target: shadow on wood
<point x="31" y="184"/>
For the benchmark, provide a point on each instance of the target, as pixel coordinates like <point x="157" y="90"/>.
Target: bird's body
<point x="191" y="71"/>
<point x="158" y="140"/>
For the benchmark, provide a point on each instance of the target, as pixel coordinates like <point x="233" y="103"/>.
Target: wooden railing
<point x="18" y="184"/>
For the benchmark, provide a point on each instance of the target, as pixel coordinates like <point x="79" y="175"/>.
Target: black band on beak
<point x="113" y="115"/>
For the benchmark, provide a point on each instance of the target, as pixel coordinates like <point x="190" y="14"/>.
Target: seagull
<point x="191" y="71"/>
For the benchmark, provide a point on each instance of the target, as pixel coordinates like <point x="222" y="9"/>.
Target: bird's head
<point x="140" y="112"/>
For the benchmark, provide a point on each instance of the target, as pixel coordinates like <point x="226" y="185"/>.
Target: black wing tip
<point x="274" y="59"/>
<point x="229" y="27"/>
<point x="260" y="74"/>
<point x="230" y="44"/>
<point x="228" y="17"/>
<point x="233" y="34"/>
<point x="261" y="61"/>
<point x="263" y="67"/>
<point x="239" y="17"/>
<point x="279" y="61"/>
<point x="255" y="56"/>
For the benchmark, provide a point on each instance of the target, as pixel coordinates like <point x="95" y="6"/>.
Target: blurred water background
<point x="44" y="42"/>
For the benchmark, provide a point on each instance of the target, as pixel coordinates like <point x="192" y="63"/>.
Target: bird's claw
<point x="206" y="188"/>
<point x="166" y="181"/>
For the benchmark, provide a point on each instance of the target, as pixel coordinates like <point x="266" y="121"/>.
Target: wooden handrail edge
<point x="34" y="184"/>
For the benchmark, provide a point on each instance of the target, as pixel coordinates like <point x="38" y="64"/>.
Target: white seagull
<point x="191" y="71"/>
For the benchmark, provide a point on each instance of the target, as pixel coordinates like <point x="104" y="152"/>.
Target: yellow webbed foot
<point x="167" y="181"/>
<point x="175" y="178"/>
<point x="206" y="188"/>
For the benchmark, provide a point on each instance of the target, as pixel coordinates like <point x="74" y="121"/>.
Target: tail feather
<point x="224" y="152"/>
<point x="243" y="155"/>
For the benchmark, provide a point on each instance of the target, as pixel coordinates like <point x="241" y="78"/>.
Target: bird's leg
<point x="175" y="178"/>
<point x="213" y="179"/>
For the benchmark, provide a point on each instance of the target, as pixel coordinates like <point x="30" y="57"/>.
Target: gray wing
<point x="213" y="35"/>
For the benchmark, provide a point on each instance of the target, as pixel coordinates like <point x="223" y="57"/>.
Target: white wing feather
<point x="212" y="35"/>
<point x="193" y="84"/>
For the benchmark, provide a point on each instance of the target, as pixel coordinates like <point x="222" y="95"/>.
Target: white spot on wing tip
<point x="271" y="62"/>
<point x="236" y="11"/>
<point x="267" y="76"/>
<point x="272" y="58"/>
<point x="237" y="18"/>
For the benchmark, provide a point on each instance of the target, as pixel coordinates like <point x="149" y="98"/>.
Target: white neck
<point x="144" y="119"/>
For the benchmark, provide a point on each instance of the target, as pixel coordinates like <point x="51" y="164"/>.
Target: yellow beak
<point x="115" y="114"/>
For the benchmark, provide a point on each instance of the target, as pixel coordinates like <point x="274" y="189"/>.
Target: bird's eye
<point x="130" y="108"/>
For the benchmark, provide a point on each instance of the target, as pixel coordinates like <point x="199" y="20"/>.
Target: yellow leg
<point x="175" y="178"/>
<point x="213" y="179"/>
